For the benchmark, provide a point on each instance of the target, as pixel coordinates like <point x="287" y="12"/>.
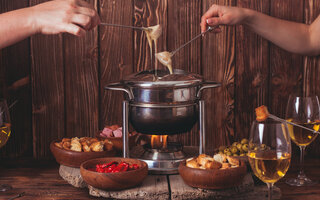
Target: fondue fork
<point x="165" y="56"/>
<point x="196" y="37"/>
<point x="124" y="26"/>
<point x="291" y="123"/>
<point x="10" y="106"/>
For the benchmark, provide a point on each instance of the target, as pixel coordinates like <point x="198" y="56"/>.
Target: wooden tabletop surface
<point x="41" y="180"/>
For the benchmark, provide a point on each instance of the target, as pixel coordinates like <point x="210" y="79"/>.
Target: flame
<point x="159" y="141"/>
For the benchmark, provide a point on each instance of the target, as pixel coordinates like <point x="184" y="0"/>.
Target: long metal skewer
<point x="124" y="26"/>
<point x="293" y="124"/>
<point x="17" y="196"/>
<point x="10" y="106"/>
<point x="196" y="37"/>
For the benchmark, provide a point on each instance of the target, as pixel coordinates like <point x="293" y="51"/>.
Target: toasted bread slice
<point x="92" y="140"/>
<point x="84" y="139"/>
<point x="233" y="161"/>
<point x="225" y="166"/>
<point x="192" y="163"/>
<point x="213" y="165"/>
<point x="66" y="140"/>
<point x="203" y="159"/>
<point x="262" y="113"/>
<point x="66" y="145"/>
<point x="58" y="144"/>
<point x="220" y="158"/>
<point x="75" y="145"/>
<point x="85" y="147"/>
<point x="97" y="146"/>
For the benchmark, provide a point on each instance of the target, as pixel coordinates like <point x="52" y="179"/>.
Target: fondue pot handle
<point x="207" y="84"/>
<point x="119" y="87"/>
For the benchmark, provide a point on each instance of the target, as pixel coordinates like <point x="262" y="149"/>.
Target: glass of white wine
<point x="269" y="151"/>
<point x="5" y="132"/>
<point x="304" y="111"/>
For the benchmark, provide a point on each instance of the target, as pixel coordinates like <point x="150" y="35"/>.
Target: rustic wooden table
<point x="164" y="187"/>
<point x="41" y="180"/>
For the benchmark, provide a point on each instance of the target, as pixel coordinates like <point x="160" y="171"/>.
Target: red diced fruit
<point x="114" y="167"/>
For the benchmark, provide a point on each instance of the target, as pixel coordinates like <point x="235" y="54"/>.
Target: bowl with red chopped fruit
<point x="114" y="134"/>
<point x="114" y="173"/>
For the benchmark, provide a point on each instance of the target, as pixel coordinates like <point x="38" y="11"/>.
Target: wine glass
<point x="5" y="131"/>
<point x="269" y="151"/>
<point x="303" y="110"/>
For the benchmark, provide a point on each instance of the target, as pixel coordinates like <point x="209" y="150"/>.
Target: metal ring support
<point x="202" y="127"/>
<point x="119" y="87"/>
<point x="125" y="131"/>
<point x="149" y="105"/>
<point x="207" y="84"/>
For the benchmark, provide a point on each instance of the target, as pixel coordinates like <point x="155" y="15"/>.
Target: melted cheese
<point x="165" y="59"/>
<point x="153" y="33"/>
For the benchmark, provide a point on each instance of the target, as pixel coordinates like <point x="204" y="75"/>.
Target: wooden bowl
<point x="118" y="141"/>
<point x="113" y="181"/>
<point x="74" y="158"/>
<point x="212" y="178"/>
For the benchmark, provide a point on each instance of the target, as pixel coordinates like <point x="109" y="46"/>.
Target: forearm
<point x="15" y="26"/>
<point x="52" y="17"/>
<point x="291" y="36"/>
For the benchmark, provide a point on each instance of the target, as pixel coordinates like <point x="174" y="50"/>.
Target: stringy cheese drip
<point x="149" y="42"/>
<point x="153" y="33"/>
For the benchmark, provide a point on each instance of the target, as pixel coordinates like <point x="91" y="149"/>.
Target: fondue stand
<point x="162" y="162"/>
<point x="168" y="106"/>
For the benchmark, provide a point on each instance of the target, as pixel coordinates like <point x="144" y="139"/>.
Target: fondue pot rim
<point x="162" y="84"/>
<point x="120" y="86"/>
<point x="137" y="79"/>
<point x="128" y="85"/>
<point x="164" y="105"/>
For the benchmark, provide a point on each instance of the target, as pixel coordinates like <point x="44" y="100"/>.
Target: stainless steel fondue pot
<point x="165" y="104"/>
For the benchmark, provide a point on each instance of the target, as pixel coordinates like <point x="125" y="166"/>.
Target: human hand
<point x="58" y="16"/>
<point x="222" y="15"/>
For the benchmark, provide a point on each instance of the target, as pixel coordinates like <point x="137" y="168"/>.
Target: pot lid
<point x="179" y="78"/>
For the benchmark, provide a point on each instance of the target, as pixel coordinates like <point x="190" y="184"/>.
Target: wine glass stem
<point x="270" y="186"/>
<point x="302" y="149"/>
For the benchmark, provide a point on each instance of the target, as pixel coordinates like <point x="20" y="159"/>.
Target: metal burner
<point x="171" y="148"/>
<point x="167" y="160"/>
<point x="163" y="161"/>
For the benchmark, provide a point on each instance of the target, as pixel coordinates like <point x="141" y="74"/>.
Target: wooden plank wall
<point x="311" y="66"/>
<point x="218" y="63"/>
<point x="251" y="74"/>
<point x="15" y="85"/>
<point x="115" y="63"/>
<point x="48" y="91"/>
<point x="59" y="80"/>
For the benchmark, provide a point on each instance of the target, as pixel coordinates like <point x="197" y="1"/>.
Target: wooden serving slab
<point x="153" y="187"/>
<point x="72" y="176"/>
<point x="245" y="191"/>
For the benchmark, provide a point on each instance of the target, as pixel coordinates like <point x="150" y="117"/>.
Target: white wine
<point x="303" y="137"/>
<point x="5" y="131"/>
<point x="269" y="166"/>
